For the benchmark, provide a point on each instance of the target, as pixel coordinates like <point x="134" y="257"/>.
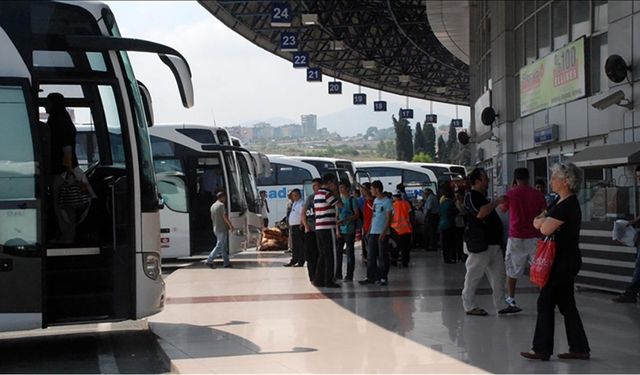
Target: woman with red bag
<point x="563" y="222"/>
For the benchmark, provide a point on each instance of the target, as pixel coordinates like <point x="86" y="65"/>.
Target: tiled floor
<point x="260" y="317"/>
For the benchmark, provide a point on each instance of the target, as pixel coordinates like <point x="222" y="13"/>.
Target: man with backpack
<point x="346" y="230"/>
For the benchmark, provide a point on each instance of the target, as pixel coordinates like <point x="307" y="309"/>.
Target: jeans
<point x="634" y="288"/>
<point x="378" y="258"/>
<point x="348" y="239"/>
<point x="403" y="241"/>
<point x="222" y="246"/>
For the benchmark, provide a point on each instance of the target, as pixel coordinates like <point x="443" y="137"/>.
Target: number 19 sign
<point x="359" y="99"/>
<point x="314" y="75"/>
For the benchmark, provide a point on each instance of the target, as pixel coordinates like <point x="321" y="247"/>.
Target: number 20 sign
<point x="335" y="88"/>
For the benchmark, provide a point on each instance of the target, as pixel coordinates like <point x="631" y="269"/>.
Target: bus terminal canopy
<point x="381" y="44"/>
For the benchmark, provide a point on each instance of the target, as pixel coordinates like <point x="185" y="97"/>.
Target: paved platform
<point x="260" y="317"/>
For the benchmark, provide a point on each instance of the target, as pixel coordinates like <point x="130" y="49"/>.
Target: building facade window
<point x="560" y="30"/>
<point x="542" y="29"/>
<point x="580" y="24"/>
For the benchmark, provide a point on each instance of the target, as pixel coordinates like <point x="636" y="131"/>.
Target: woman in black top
<point x="563" y="222"/>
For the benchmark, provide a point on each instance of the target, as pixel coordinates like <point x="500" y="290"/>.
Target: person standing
<point x="297" y="240"/>
<point x="401" y="228"/>
<point x="64" y="162"/>
<point x="460" y="224"/>
<point x="431" y="209"/>
<point x="309" y="222"/>
<point x="264" y="209"/>
<point x="221" y="227"/>
<point x="631" y="292"/>
<point x="563" y="221"/>
<point x="524" y="203"/>
<point x="324" y="205"/>
<point x="345" y="230"/>
<point x="483" y="236"/>
<point x="447" y="225"/>
<point x="378" y="258"/>
<point x="367" y="215"/>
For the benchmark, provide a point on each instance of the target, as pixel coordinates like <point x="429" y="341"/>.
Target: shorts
<point x="520" y="254"/>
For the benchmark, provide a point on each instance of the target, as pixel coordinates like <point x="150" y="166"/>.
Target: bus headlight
<point x="151" y="265"/>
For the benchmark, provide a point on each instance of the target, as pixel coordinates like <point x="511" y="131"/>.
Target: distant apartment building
<point x="309" y="125"/>
<point x="263" y="130"/>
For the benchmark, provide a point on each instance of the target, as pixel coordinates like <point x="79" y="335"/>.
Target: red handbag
<point x="542" y="263"/>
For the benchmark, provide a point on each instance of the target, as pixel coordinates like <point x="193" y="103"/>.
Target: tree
<point x="422" y="157"/>
<point x="404" y="141"/>
<point x="381" y="149"/>
<point x="418" y="140"/>
<point x="429" y="140"/>
<point x="452" y="144"/>
<point x="442" y="149"/>
<point x="372" y="131"/>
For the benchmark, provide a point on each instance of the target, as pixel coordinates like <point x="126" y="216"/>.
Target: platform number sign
<point x="288" y="41"/>
<point x="406" y="113"/>
<point x="335" y="88"/>
<point x="300" y="60"/>
<point x="359" y="99"/>
<point x="314" y="75"/>
<point x="456" y="122"/>
<point x="380" y="106"/>
<point x="281" y="15"/>
<point x="431" y="119"/>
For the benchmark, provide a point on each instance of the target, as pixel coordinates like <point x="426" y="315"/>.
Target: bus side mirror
<point x="146" y="103"/>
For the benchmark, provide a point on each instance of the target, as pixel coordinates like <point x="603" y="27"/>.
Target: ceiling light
<point x="404" y="78"/>
<point x="337" y="45"/>
<point x="310" y="19"/>
<point x="368" y="64"/>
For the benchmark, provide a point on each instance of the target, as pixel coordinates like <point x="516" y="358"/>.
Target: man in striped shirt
<point x="324" y="205"/>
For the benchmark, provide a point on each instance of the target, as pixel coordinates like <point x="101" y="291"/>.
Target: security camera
<point x="616" y="98"/>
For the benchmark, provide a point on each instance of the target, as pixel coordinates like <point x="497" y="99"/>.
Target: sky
<point x="235" y="81"/>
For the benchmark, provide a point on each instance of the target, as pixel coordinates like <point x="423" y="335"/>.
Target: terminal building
<point x="561" y="78"/>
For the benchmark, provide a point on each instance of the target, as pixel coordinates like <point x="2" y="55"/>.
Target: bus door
<point x="236" y="204"/>
<point x="248" y="175"/>
<point x="207" y="179"/>
<point x="21" y="260"/>
<point x="174" y="216"/>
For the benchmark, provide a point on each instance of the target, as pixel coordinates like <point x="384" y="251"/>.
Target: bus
<point x="111" y="270"/>
<point x="285" y="175"/>
<point x="444" y="172"/>
<point x="193" y="163"/>
<point x="391" y="173"/>
<point x="343" y="168"/>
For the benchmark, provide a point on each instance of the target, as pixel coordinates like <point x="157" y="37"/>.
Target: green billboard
<point x="555" y="79"/>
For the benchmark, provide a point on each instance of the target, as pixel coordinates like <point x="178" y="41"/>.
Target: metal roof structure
<point x="381" y="44"/>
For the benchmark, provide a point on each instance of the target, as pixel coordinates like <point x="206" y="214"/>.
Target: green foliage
<point x="334" y="151"/>
<point x="404" y="139"/>
<point x="429" y="139"/>
<point x="418" y="140"/>
<point x="422" y="157"/>
<point x="442" y="150"/>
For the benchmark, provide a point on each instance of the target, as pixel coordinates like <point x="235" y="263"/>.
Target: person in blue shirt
<point x="378" y="257"/>
<point x="346" y="230"/>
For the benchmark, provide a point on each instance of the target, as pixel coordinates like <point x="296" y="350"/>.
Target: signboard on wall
<point x="555" y="79"/>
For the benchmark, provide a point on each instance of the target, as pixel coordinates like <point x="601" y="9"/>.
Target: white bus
<point x="193" y="163"/>
<point x="392" y="173"/>
<point x="111" y="271"/>
<point x="343" y="168"/>
<point x="286" y="174"/>
<point x="444" y="172"/>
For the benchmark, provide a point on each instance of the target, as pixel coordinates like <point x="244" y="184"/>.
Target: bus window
<point x="248" y="182"/>
<point x="236" y="200"/>
<point x="17" y="165"/>
<point x="112" y="118"/>
<point x="459" y="170"/>
<point x="199" y="135"/>
<point x="440" y="172"/>
<point x="162" y="147"/>
<point x="411" y="176"/>
<point x="289" y="175"/>
<point x="269" y="180"/>
<point x="323" y="167"/>
<point x="173" y="192"/>
<point x="167" y="165"/>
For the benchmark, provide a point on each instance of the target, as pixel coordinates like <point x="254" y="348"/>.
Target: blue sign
<point x="544" y="135"/>
<point x="314" y="75"/>
<point x="300" y="60"/>
<point x="281" y="14"/>
<point x="359" y="99"/>
<point x="431" y="119"/>
<point x="288" y="41"/>
<point x="380" y="106"/>
<point x="335" y="88"/>
<point x="456" y="122"/>
<point x="406" y="113"/>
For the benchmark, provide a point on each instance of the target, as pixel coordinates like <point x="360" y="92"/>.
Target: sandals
<point x="477" y="311"/>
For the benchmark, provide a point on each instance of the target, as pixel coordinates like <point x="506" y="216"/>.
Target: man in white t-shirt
<point x="295" y="231"/>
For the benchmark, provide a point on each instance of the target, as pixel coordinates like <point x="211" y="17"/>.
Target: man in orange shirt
<point x="401" y="229"/>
